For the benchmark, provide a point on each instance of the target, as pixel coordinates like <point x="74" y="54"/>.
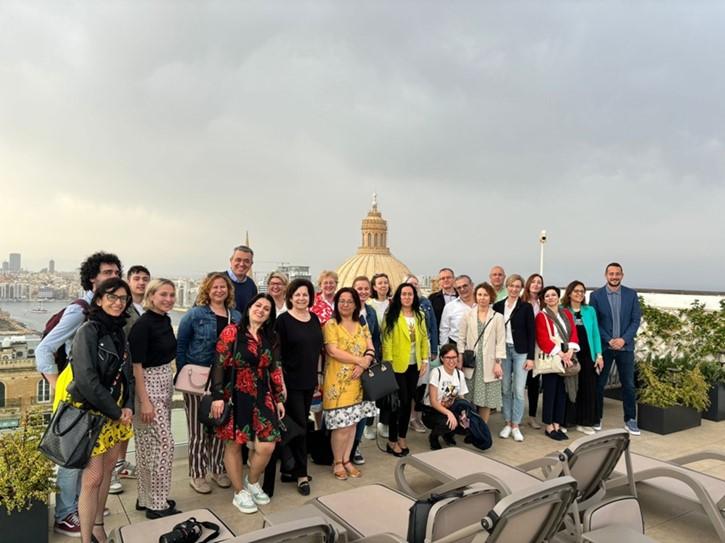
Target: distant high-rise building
<point x="295" y="272"/>
<point x="51" y="266"/>
<point x="6" y="265"/>
<point x="14" y="262"/>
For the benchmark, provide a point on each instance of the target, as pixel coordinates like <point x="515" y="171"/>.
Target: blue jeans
<point x="625" y="367"/>
<point x="514" y="384"/>
<point x="69" y="486"/>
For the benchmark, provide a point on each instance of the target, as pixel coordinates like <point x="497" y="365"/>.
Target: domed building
<point x="373" y="256"/>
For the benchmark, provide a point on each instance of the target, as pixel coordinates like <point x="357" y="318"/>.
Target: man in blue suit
<point x="619" y="315"/>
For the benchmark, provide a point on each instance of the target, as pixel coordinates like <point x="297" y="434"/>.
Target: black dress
<point x="583" y="412"/>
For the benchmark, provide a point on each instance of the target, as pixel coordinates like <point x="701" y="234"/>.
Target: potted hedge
<point x="714" y="373"/>
<point x="26" y="481"/>
<point x="672" y="395"/>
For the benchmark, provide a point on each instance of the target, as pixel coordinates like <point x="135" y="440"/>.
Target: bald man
<point x="497" y="277"/>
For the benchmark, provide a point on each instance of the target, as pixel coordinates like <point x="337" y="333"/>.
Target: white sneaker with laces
<point x="255" y="489"/>
<point x="588" y="430"/>
<point x="243" y="501"/>
<point x="505" y="433"/>
<point x="516" y="433"/>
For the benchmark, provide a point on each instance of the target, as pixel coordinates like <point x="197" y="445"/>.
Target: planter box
<point x="716" y="411"/>
<point x="25" y="526"/>
<point x="666" y="420"/>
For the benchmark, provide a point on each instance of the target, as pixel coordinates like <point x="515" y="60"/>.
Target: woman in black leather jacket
<point x="103" y="380"/>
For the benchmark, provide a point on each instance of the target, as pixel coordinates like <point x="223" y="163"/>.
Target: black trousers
<point x="436" y="422"/>
<point x="406" y="388"/>
<point x="554" y="408"/>
<point x="532" y="389"/>
<point x="298" y="409"/>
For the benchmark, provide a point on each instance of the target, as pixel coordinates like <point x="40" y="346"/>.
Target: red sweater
<point x="544" y="326"/>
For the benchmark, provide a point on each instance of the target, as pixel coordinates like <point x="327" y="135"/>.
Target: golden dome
<point x="373" y="255"/>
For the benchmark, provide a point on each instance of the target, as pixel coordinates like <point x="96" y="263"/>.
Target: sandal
<point x="94" y="539"/>
<point x="339" y="475"/>
<point x="351" y="470"/>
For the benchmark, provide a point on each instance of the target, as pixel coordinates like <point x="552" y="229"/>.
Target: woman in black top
<point x="102" y="378"/>
<point x="301" y="343"/>
<point x="153" y="347"/>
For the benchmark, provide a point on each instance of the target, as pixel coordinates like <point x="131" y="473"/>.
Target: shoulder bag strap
<point x="482" y="331"/>
<point x="210" y="526"/>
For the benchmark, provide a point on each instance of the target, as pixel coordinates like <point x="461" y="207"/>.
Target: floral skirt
<point x="344" y="417"/>
<point x="113" y="433"/>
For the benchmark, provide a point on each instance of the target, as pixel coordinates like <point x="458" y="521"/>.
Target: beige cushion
<point x="151" y="530"/>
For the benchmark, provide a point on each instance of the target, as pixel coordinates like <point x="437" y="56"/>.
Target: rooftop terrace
<point x="665" y="522"/>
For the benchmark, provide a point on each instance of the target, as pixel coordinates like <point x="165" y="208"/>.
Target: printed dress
<point x="257" y="388"/>
<point x="342" y="395"/>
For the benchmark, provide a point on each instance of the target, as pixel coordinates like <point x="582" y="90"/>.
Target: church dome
<point x="373" y="256"/>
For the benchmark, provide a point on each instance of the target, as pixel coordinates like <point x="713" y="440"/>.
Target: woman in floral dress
<point x="350" y="351"/>
<point x="248" y="351"/>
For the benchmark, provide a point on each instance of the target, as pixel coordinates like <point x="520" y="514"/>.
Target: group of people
<point x="271" y="355"/>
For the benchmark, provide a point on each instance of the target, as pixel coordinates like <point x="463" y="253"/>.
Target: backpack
<point x="418" y="515"/>
<point x="60" y="356"/>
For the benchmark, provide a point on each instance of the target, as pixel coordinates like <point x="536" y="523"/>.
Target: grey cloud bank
<point x="164" y="131"/>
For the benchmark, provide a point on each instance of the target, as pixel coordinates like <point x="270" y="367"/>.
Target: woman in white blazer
<point x="482" y="321"/>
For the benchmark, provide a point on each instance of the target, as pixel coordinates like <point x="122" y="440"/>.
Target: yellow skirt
<point x="113" y="431"/>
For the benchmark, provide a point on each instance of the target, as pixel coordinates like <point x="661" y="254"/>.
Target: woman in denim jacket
<point x="196" y="343"/>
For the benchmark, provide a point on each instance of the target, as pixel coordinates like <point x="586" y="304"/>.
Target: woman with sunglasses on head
<point x="103" y="379"/>
<point x="406" y="346"/>
<point x="556" y="335"/>
<point x="350" y="351"/>
<point x="530" y="294"/>
<point x="199" y="331"/>
<point x="583" y="412"/>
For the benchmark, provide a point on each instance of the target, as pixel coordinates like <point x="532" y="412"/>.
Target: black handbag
<point x="378" y="381"/>
<point x="469" y="355"/>
<point x="290" y="429"/>
<point x="71" y="435"/>
<point x="205" y="416"/>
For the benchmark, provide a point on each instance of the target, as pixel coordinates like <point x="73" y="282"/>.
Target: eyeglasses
<point x="346" y="302"/>
<point x="450" y="357"/>
<point x="113" y="298"/>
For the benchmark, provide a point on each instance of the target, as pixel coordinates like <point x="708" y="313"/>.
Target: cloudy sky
<point x="162" y="131"/>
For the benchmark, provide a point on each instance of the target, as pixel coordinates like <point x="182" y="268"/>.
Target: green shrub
<point x="668" y="381"/>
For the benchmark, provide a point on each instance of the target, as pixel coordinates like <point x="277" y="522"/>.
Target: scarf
<point x="571" y="384"/>
<point x="113" y="326"/>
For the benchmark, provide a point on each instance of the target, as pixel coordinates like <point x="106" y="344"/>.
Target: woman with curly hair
<point x="248" y="373"/>
<point x="198" y="333"/>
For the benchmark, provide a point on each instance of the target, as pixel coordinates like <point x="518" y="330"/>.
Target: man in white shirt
<point x="454" y="311"/>
<point x="497" y="278"/>
<point x="445" y="295"/>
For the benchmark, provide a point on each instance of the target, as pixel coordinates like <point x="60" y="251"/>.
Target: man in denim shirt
<point x="94" y="270"/>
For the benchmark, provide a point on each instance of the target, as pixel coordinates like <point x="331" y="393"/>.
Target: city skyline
<point x="477" y="126"/>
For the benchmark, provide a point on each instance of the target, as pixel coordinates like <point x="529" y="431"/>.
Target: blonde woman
<point x="277" y="287"/>
<point x="324" y="304"/>
<point x="198" y="332"/>
<point x="153" y="347"/>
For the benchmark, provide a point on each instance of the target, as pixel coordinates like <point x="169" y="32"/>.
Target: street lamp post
<point x="542" y="242"/>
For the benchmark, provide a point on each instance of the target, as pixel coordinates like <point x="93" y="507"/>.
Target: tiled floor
<point x="665" y="523"/>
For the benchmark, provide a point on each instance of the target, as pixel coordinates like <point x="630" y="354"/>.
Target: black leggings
<point x="406" y="388"/>
<point x="298" y="409"/>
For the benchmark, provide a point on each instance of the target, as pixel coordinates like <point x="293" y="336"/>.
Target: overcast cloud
<point x="163" y="131"/>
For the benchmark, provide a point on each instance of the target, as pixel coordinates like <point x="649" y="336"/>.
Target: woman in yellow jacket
<point x="407" y="348"/>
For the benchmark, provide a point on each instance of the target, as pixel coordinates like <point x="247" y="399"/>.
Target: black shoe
<point x="435" y="445"/>
<point x="405" y="451"/>
<point x="449" y="439"/>
<point x="172" y="503"/>
<point x="303" y="487"/>
<point x="468" y="439"/>
<point x="556" y="436"/>
<point x="562" y="435"/>
<point x="170" y="510"/>
<point x="390" y="450"/>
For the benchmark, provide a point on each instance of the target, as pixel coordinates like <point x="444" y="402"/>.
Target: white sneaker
<point x="258" y="495"/>
<point x="116" y="486"/>
<point x="383" y="429"/>
<point x="597" y="427"/>
<point x="588" y="430"/>
<point x="370" y="432"/>
<point x="505" y="433"/>
<point x="243" y="501"/>
<point x="518" y="436"/>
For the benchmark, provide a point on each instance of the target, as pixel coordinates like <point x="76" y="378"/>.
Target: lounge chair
<point x="314" y="529"/>
<point x="370" y="510"/>
<point x="530" y="515"/>
<point x="454" y="463"/>
<point x="151" y="530"/>
<point x="616" y="520"/>
<point x="672" y="478"/>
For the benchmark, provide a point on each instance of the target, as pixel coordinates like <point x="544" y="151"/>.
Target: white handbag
<point x="546" y="363"/>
